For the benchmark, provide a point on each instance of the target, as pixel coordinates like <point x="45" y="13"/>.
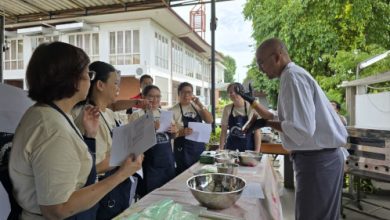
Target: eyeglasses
<point x="91" y="75"/>
<point x="157" y="97"/>
<point x="260" y="63"/>
<point x="186" y="92"/>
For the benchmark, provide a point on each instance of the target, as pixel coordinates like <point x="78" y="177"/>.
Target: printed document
<point x="200" y="132"/>
<point x="134" y="138"/>
<point x="165" y="121"/>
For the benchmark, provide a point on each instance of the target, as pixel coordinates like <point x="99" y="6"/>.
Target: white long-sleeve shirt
<point x="307" y="118"/>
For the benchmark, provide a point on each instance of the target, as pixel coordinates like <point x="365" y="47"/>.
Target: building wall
<point x="163" y="77"/>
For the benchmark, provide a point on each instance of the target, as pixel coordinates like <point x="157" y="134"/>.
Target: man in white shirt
<point x="309" y="128"/>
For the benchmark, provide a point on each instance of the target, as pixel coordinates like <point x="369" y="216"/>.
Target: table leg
<point x="288" y="173"/>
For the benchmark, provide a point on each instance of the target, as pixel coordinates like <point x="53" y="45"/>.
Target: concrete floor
<point x="288" y="196"/>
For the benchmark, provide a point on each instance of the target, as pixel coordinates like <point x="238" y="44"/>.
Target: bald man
<point x="309" y="128"/>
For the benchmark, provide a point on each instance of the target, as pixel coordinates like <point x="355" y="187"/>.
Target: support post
<point x="1" y="46"/>
<point x="213" y="27"/>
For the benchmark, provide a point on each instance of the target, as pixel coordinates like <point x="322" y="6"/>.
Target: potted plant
<point x="214" y="140"/>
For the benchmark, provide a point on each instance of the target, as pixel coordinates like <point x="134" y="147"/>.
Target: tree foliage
<point x="326" y="37"/>
<point x="230" y="69"/>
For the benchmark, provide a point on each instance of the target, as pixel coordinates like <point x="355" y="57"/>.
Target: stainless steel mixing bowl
<point x="216" y="190"/>
<point x="249" y="158"/>
<point x="224" y="158"/>
<point x="229" y="168"/>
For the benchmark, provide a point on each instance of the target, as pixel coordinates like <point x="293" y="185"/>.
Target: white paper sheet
<point x="13" y="103"/>
<point x="165" y="120"/>
<point x="136" y="137"/>
<point x="200" y="132"/>
<point x="253" y="190"/>
<point x="5" y="207"/>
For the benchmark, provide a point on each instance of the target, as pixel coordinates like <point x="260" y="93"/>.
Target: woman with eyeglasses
<point x="234" y="117"/>
<point x="159" y="164"/>
<point x="189" y="109"/>
<point x="52" y="164"/>
<point x="102" y="93"/>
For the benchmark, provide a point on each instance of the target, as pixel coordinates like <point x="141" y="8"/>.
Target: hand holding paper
<point x="200" y="132"/>
<point x="133" y="138"/>
<point x="165" y="121"/>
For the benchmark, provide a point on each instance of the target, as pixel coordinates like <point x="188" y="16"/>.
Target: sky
<point x="233" y="34"/>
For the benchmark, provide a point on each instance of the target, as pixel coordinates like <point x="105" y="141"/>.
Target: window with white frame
<point x="36" y="41"/>
<point x="163" y="85"/>
<point x="207" y="96"/>
<point x="189" y="63"/>
<point x="177" y="58"/>
<point x="198" y="90"/>
<point x="206" y="69"/>
<point x="125" y="47"/>
<point x="198" y="68"/>
<point x="219" y="75"/>
<point x="89" y="42"/>
<point x="161" y="51"/>
<point x="13" y="57"/>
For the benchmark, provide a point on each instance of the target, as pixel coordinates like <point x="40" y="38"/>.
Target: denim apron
<point x="89" y="214"/>
<point x="118" y="199"/>
<point x="187" y="152"/>
<point x="159" y="164"/>
<point x="237" y="139"/>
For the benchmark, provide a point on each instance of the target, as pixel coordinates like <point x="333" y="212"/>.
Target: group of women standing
<point x="52" y="164"/>
<point x="59" y="163"/>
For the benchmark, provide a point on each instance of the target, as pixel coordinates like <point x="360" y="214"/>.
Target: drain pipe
<point x="370" y="61"/>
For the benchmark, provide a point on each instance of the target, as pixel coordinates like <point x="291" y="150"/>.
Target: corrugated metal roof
<point x="16" y="11"/>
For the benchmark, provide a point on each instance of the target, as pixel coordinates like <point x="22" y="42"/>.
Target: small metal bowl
<point x="216" y="190"/>
<point x="224" y="158"/>
<point x="250" y="158"/>
<point x="228" y="168"/>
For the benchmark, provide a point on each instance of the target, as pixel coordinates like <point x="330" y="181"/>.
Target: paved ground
<point x="383" y="199"/>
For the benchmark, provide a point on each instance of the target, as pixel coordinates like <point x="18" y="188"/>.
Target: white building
<point x="156" y="42"/>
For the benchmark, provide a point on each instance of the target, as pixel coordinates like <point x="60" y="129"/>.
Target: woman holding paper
<point x="52" y="166"/>
<point x="159" y="164"/>
<point x="189" y="109"/>
<point x="234" y="116"/>
<point x="102" y="93"/>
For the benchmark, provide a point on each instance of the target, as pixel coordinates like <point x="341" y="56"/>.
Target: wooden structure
<point x="359" y="87"/>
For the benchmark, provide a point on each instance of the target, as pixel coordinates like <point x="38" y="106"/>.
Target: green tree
<point x="230" y="69"/>
<point x="327" y="37"/>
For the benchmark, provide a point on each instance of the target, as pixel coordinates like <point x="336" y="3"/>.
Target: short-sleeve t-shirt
<point x="48" y="161"/>
<point x="103" y="136"/>
<point x="188" y="111"/>
<point x="236" y="112"/>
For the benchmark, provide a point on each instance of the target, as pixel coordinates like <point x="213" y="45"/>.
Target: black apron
<point x="5" y="148"/>
<point x="159" y="163"/>
<point x="187" y="152"/>
<point x="118" y="199"/>
<point x="89" y="214"/>
<point x="237" y="139"/>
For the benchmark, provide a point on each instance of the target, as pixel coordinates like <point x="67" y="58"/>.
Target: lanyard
<point x="67" y="119"/>
<point x="101" y="114"/>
